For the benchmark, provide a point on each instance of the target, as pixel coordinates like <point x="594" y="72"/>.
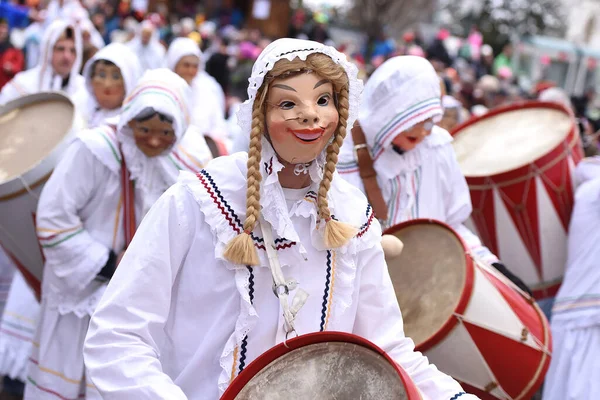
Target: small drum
<point x="34" y="131"/>
<point x="323" y="365"/>
<point x="469" y="320"/>
<point x="519" y="162"/>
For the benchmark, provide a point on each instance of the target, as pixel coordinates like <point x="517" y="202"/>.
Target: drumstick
<point x="392" y="246"/>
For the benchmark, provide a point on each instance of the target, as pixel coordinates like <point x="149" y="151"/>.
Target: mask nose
<point x="310" y="116"/>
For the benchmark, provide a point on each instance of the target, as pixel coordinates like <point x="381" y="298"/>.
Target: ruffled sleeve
<point x="72" y="254"/>
<point x="121" y="350"/>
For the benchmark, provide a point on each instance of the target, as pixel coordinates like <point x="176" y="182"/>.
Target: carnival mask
<point x="187" y="68"/>
<point x="108" y="85"/>
<point x="153" y="135"/>
<point x="410" y="138"/>
<point x="301" y="116"/>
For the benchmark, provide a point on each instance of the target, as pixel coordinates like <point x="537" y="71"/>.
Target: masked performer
<point x="58" y="69"/>
<point x="194" y="290"/>
<point x="109" y="76"/>
<point x="415" y="172"/>
<point x="87" y="213"/>
<point x="184" y="58"/>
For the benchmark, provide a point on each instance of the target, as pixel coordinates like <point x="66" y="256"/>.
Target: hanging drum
<point x="519" y="162"/>
<point x="323" y="365"/>
<point x="34" y="131"/>
<point x="470" y="321"/>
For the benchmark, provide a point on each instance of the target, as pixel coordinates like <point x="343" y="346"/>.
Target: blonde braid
<point x="241" y="250"/>
<point x="337" y="233"/>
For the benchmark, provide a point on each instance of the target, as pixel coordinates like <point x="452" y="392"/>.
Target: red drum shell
<point x="522" y="214"/>
<point x="466" y="317"/>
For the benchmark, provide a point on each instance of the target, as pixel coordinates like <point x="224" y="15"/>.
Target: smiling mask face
<point x="301" y="116"/>
<point x="108" y="85"/>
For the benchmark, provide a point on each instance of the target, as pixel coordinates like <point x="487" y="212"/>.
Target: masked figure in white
<point x="88" y="211"/>
<point x="417" y="174"/>
<point x="147" y="47"/>
<point x="202" y="244"/>
<point x="109" y="77"/>
<point x="184" y="58"/>
<point x="58" y="68"/>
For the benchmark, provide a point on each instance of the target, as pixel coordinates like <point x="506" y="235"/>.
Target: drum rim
<point x="35" y="176"/>
<point x="467" y="291"/>
<point x="572" y="138"/>
<point x="281" y="349"/>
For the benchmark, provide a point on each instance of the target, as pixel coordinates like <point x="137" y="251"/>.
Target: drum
<point x="34" y="131"/>
<point x="470" y="321"/>
<point x="519" y="162"/>
<point x="323" y="365"/>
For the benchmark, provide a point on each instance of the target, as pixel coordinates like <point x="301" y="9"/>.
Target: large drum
<point x="323" y="365"/>
<point x="34" y="132"/>
<point x="519" y="163"/>
<point x="470" y="321"/>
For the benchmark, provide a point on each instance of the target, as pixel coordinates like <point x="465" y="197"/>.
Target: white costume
<point x="425" y="182"/>
<point x="147" y="338"/>
<point x="6" y="275"/>
<point x="131" y="70"/>
<point x="43" y="77"/>
<point x="573" y="373"/>
<point x="68" y="10"/>
<point x="22" y="309"/>
<point x="79" y="221"/>
<point x="206" y="116"/>
<point x="152" y="55"/>
<point x="587" y="169"/>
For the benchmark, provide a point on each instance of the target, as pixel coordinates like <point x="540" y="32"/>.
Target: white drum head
<point x="30" y="132"/>
<point x="428" y="277"/>
<point x="330" y="370"/>
<point x="509" y="140"/>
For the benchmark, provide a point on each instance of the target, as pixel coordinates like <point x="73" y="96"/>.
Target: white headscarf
<point x="69" y="9"/>
<point x="289" y="49"/>
<point x="166" y="93"/>
<point x="401" y="93"/>
<point x="85" y="25"/>
<point x="180" y="48"/>
<point x="48" y="80"/>
<point x="125" y="60"/>
<point x="151" y="55"/>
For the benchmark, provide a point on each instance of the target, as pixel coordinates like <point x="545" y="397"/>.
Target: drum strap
<point x="367" y="172"/>
<point x="128" y="200"/>
<point x="281" y="287"/>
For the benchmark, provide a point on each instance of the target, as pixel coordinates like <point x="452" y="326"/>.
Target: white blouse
<point x="180" y="322"/>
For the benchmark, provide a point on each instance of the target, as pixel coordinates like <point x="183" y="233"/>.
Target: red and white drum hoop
<point x="32" y="147"/>
<point x="470" y="321"/>
<point x="521" y="211"/>
<point x="321" y="365"/>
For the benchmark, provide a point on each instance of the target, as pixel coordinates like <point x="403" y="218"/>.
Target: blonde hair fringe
<point x="241" y="249"/>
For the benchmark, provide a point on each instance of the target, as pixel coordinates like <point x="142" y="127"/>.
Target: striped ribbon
<point x="128" y="196"/>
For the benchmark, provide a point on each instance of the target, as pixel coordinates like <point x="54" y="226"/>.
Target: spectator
<point x="11" y="59"/>
<point x="504" y="59"/>
<point x="437" y="52"/>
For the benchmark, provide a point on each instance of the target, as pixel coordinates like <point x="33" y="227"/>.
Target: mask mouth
<point x="308" y="135"/>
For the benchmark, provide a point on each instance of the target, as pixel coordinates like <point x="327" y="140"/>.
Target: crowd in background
<point x="475" y="78"/>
